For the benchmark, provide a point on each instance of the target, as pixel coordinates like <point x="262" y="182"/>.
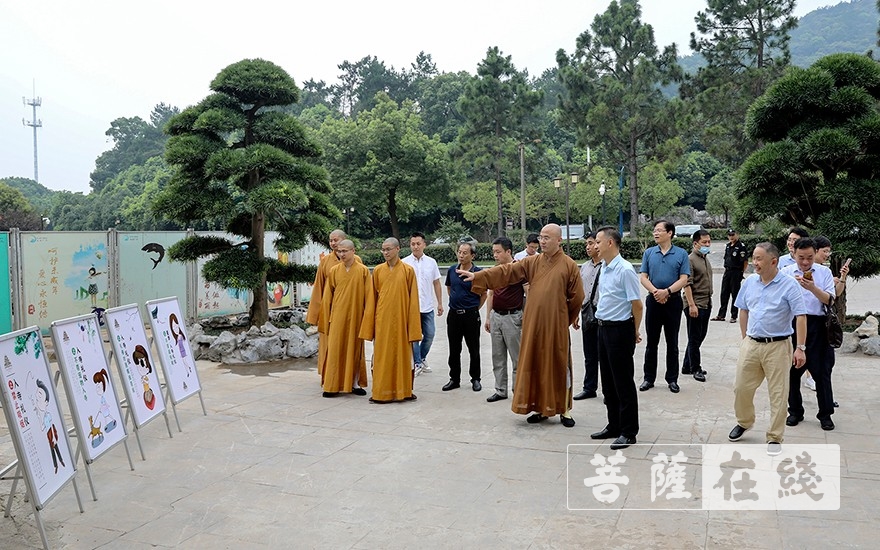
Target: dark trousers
<point x="696" y="329"/>
<point x="820" y="360"/>
<point x="665" y="317"/>
<point x="590" y="334"/>
<point x="463" y="325"/>
<point x="730" y="283"/>
<point x="617" y="344"/>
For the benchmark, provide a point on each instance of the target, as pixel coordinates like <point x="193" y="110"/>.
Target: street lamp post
<point x="348" y="212"/>
<point x="602" y="194"/>
<point x="522" y="182"/>
<point x="557" y="183"/>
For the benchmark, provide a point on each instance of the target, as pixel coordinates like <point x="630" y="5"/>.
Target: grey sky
<point x="99" y="60"/>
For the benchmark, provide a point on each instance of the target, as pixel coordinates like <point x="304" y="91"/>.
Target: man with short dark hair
<point x="590" y="331"/>
<point x="665" y="270"/>
<point x="794" y="234"/>
<point x="430" y="296"/>
<point x="698" y="304"/>
<point x="463" y="320"/>
<point x="504" y="311"/>
<point x="736" y="260"/>
<point x="531" y="247"/>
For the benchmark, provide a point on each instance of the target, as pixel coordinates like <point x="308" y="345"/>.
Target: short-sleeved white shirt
<point x="822" y="278"/>
<point x="426" y="273"/>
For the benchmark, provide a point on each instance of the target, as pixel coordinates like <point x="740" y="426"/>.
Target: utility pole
<point x="522" y="181"/>
<point x="34" y="123"/>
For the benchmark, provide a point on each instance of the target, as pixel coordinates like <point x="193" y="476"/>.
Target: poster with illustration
<point x="64" y="274"/>
<point x="32" y="411"/>
<point x="211" y="298"/>
<point x="5" y="297"/>
<point x="88" y="384"/>
<point x="145" y="270"/>
<point x="138" y="372"/>
<point x="173" y="349"/>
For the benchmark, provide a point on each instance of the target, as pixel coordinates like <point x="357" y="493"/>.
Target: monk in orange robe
<point x="543" y="374"/>
<point x="393" y="325"/>
<point x="348" y="293"/>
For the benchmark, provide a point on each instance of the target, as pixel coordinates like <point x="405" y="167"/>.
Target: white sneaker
<point x="425" y="367"/>
<point x="809" y="383"/>
<point x="417" y="369"/>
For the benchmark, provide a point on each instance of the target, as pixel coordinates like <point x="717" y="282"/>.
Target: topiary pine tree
<point x="239" y="159"/>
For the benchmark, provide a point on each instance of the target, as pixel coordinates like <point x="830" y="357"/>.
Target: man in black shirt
<point x="736" y="260"/>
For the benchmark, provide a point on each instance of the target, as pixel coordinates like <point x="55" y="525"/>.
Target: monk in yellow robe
<point x="324" y="266"/>
<point x="543" y="374"/>
<point x="348" y="293"/>
<point x="393" y="325"/>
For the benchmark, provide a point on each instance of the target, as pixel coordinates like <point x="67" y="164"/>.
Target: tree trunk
<point x="259" y="313"/>
<point x="500" y="204"/>
<point x="392" y="212"/>
<point x="633" y="169"/>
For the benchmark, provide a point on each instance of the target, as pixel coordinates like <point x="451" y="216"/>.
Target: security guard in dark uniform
<point x="736" y="260"/>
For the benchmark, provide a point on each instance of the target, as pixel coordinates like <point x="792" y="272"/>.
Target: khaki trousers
<point x="756" y="362"/>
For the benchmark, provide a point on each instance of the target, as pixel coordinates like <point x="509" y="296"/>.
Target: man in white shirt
<point x="794" y="234"/>
<point x="428" y="280"/>
<point x="817" y="285"/>
<point x="531" y="247"/>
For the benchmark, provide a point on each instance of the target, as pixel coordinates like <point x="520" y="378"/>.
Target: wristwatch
<point x="802" y="347"/>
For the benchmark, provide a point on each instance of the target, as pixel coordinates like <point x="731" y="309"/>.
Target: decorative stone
<point x="222" y="345"/>
<point x="253" y="332"/>
<point x="254" y="350"/>
<point x="312" y="330"/>
<point x="268" y="330"/>
<point x="870" y="346"/>
<point x="850" y="343"/>
<point x="299" y="344"/>
<point x="868" y="327"/>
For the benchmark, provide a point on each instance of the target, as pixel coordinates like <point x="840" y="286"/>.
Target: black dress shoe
<point x="535" y="418"/>
<point x="673" y="387"/>
<point x="476" y="385"/>
<point x="412" y="397"/>
<point x="793" y="420"/>
<point x="567" y="422"/>
<point x="736" y="433"/>
<point x="359" y="391"/>
<point x="495" y="397"/>
<point x="330" y="394"/>
<point x="700" y="376"/>
<point x="826" y="424"/>
<point x="586" y="394"/>
<point x="451" y="385"/>
<point x="622" y="442"/>
<point x="605" y="434"/>
<point x="646" y="386"/>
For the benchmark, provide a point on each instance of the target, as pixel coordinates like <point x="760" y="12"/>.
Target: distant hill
<point x="37" y="194"/>
<point x="849" y="27"/>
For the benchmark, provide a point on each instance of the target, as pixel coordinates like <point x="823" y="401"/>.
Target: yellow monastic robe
<point x="327" y="263"/>
<point x="543" y="374"/>
<point x="348" y="293"/>
<point x="393" y="326"/>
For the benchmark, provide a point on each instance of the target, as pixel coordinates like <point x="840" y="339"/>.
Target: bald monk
<point x="393" y="325"/>
<point x="348" y="293"/>
<point x="327" y="262"/>
<point x="543" y="379"/>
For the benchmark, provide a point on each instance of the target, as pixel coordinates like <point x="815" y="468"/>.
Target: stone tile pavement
<point x="275" y="465"/>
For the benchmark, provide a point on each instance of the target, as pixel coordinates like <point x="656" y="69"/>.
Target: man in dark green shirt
<point x="698" y="304"/>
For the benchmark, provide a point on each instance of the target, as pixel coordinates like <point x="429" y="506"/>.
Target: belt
<point x="463" y="311"/>
<point x="768" y="339"/>
<point x="507" y="311"/>
<point x="614" y="323"/>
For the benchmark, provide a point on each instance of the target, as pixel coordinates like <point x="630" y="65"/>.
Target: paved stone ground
<point x="275" y="465"/>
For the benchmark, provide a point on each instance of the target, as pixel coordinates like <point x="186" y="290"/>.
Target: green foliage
<point x="721" y="199"/>
<point x="478" y="204"/>
<point x="693" y="173"/>
<point x="657" y="192"/>
<point x="238" y="158"/>
<point x="16" y="211"/>
<point x="819" y="168"/>
<point x="845" y="27"/>
<point x="38" y="195"/>
<point x="450" y="230"/>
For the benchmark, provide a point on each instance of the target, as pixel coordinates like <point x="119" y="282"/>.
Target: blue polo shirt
<point x="664" y="269"/>
<point x="460" y="295"/>
<point x="618" y="287"/>
<point x="771" y="307"/>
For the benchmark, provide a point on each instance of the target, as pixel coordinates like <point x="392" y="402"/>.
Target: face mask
<point x="705" y="250"/>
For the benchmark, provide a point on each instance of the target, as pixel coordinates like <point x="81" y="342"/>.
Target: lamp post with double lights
<point x="557" y="183"/>
<point x="348" y="212"/>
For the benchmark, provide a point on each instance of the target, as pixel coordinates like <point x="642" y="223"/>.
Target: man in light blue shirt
<point x="768" y="301"/>
<point x="817" y="287"/>
<point x="619" y="314"/>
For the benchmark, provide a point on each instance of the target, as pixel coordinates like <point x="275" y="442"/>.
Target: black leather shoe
<point x="329" y="394"/>
<point x="622" y="442"/>
<point x="567" y="422"/>
<point x="359" y="391"/>
<point x="451" y="385"/>
<point x="646" y="386"/>
<point x="476" y="385"/>
<point x="412" y="397"/>
<point x="736" y="433"/>
<point x="605" y="434"/>
<point x="793" y="420"/>
<point x="495" y="397"/>
<point x="584" y="395"/>
<point x="700" y="376"/>
<point x="826" y="424"/>
<point x="535" y="418"/>
<point x="673" y="387"/>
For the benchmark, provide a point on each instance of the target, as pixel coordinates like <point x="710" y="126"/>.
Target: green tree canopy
<point x="239" y="159"/>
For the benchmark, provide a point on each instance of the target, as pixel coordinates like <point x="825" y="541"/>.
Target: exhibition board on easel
<point x="88" y="383"/>
<point x="31" y="407"/>
<point x="134" y="360"/>
<point x="173" y="349"/>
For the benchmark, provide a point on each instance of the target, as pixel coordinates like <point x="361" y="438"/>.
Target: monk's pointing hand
<point x="465" y="275"/>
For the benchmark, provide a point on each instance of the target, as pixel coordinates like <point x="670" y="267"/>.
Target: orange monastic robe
<point x="543" y="373"/>
<point x="327" y="263"/>
<point x="348" y="293"/>
<point x="393" y="326"/>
